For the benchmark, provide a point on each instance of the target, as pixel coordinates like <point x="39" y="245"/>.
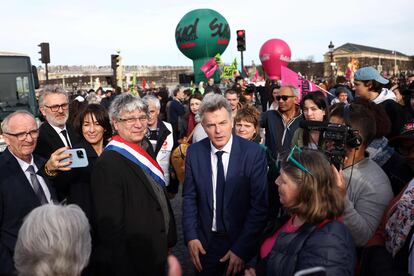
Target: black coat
<point x="132" y="238"/>
<point x="398" y="171"/>
<point x="276" y="130"/>
<point x="397" y="117"/>
<point x="162" y="136"/>
<point x="49" y="140"/>
<point x="17" y="199"/>
<point x="329" y="245"/>
<point x="77" y="186"/>
<point x="79" y="182"/>
<point x="47" y="143"/>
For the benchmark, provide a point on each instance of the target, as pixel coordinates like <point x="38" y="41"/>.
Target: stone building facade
<point x="87" y="76"/>
<point x="388" y="62"/>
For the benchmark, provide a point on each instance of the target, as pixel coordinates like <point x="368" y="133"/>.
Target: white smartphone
<point x="313" y="271"/>
<point x="78" y="158"/>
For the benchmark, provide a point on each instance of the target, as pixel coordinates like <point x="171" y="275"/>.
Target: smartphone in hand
<point x="78" y="158"/>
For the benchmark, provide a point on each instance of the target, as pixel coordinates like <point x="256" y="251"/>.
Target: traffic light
<point x="241" y="40"/>
<point x="44" y="52"/>
<point x="115" y="61"/>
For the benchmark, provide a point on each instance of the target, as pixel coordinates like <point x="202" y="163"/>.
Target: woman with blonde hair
<point x="246" y="123"/>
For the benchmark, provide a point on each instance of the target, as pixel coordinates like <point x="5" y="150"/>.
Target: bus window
<point x="14" y="90"/>
<point x="22" y="83"/>
<point x="16" y="84"/>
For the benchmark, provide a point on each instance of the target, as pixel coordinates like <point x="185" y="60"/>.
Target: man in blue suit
<point x="224" y="194"/>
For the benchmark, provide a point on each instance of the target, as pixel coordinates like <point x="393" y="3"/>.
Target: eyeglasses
<point x="296" y="162"/>
<point x="284" y="98"/>
<point x="55" y="108"/>
<point x="131" y="121"/>
<point x="23" y="135"/>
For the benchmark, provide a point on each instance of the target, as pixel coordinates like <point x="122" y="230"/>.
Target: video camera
<point x="336" y="137"/>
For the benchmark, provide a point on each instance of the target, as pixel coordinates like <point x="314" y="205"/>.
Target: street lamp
<point x="379" y="64"/>
<point x="333" y="64"/>
<point x="395" y="62"/>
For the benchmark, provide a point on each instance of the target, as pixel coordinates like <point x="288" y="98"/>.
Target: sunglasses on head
<point x="284" y="98"/>
<point x="295" y="162"/>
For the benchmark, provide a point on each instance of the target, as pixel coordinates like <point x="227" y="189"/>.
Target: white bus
<point x="18" y="81"/>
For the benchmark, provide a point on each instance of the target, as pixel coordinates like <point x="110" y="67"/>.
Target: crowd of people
<point x="274" y="182"/>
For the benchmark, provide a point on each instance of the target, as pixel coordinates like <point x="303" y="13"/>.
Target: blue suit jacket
<point x="245" y="195"/>
<point x="17" y="199"/>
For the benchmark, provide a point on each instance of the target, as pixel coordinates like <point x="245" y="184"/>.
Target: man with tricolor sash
<point x="135" y="223"/>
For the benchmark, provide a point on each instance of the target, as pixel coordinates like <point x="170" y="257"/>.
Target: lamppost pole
<point x="379" y="64"/>
<point x="395" y="63"/>
<point x="332" y="64"/>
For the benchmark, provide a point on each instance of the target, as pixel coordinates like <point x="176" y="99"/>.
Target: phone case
<point x="78" y="158"/>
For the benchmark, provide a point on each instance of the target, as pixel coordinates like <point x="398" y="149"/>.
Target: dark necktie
<point x="221" y="182"/>
<point x="65" y="134"/>
<point x="36" y="186"/>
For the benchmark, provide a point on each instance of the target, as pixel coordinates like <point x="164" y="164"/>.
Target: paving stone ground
<point x="180" y="250"/>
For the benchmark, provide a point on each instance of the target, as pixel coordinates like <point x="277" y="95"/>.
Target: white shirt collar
<point x="58" y="129"/>
<point x="23" y="164"/>
<point x="226" y="148"/>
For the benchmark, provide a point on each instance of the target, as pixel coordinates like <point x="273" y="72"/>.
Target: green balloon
<point x="200" y="35"/>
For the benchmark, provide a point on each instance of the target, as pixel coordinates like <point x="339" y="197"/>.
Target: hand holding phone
<point x="77" y="158"/>
<point x="55" y="162"/>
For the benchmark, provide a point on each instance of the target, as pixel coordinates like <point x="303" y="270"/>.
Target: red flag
<point x="209" y="67"/>
<point x="144" y="83"/>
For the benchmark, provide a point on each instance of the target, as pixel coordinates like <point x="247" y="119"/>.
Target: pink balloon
<point x="274" y="54"/>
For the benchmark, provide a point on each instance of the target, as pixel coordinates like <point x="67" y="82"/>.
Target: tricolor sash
<point x="139" y="156"/>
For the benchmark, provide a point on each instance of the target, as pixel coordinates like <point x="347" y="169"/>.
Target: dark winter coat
<point x="328" y="245"/>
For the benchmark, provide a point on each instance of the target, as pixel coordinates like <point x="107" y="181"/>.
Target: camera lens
<point x="79" y="153"/>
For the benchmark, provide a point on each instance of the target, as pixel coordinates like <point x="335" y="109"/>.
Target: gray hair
<point x="152" y="99"/>
<point x="292" y="88"/>
<point x="5" y="124"/>
<point x="53" y="240"/>
<point x="213" y="102"/>
<point x="92" y="98"/>
<point x="125" y="102"/>
<point x="51" y="89"/>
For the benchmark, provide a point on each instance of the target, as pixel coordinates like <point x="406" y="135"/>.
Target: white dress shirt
<point x="225" y="158"/>
<point x="59" y="131"/>
<point x="24" y="166"/>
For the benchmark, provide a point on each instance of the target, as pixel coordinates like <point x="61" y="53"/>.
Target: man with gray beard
<point x="54" y="133"/>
